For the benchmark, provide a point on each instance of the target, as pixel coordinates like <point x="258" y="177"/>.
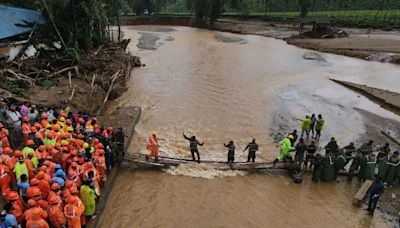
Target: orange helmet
<point x="50" y="158"/>
<point x="31" y="203"/>
<point x="36" y="192"/>
<point x="43" y="168"/>
<point x="90" y="165"/>
<point x="33" y="129"/>
<point x="11" y="195"/>
<point x="63" y="114"/>
<point x="41" y="148"/>
<point x="30" y="142"/>
<point x="44" y="116"/>
<point x="7" y="150"/>
<point x="50" y="135"/>
<point x="97" y="131"/>
<point x="73" y="190"/>
<point x="58" y="145"/>
<point x="34" y="181"/>
<point x="96" y="126"/>
<point x="74" y="152"/>
<point x="17" y="153"/>
<point x="69" y="121"/>
<point x="40" y="175"/>
<point x="49" y="148"/>
<point x="80" y="120"/>
<point x="80" y="136"/>
<point x="55" y="186"/>
<point x="99" y="146"/>
<point x="25" y="119"/>
<point x="56" y="127"/>
<point x="109" y="129"/>
<point x="72" y="200"/>
<point x="54" y="200"/>
<point x="100" y="152"/>
<point x="37" y="125"/>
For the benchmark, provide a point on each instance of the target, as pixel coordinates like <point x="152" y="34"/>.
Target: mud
<point x="148" y="41"/>
<point x="229" y="39"/>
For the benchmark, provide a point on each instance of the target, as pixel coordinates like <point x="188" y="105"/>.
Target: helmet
<point x="72" y="200"/>
<point x="34" y="181"/>
<point x="43" y="168"/>
<point x="85" y="145"/>
<point x="74" y="164"/>
<point x="73" y="190"/>
<point x="58" y="145"/>
<point x="81" y="120"/>
<point x="44" y="116"/>
<point x="32" y="203"/>
<point x="155" y="133"/>
<point x="36" y="192"/>
<point x="69" y="184"/>
<point x="290" y="137"/>
<point x="55" y="186"/>
<point x="63" y="114"/>
<point x="70" y="129"/>
<point x="25" y="119"/>
<point x="40" y="175"/>
<point x="58" y="166"/>
<point x="97" y="131"/>
<point x="96" y="126"/>
<point x="56" y="127"/>
<point x="54" y="200"/>
<point x="37" y="125"/>
<point x="11" y="195"/>
<point x="41" y="148"/>
<point x="80" y="136"/>
<point x="49" y="148"/>
<point x="64" y="142"/>
<point x="50" y="158"/>
<point x="109" y="129"/>
<point x="50" y="135"/>
<point x="30" y="142"/>
<point x="48" y="126"/>
<point x="101" y="152"/>
<point x="96" y="141"/>
<point x="89" y="165"/>
<point x="62" y="119"/>
<point x="33" y="129"/>
<point x="7" y="150"/>
<point x="17" y="153"/>
<point x="69" y="121"/>
<point x="99" y="146"/>
<point x="74" y="152"/>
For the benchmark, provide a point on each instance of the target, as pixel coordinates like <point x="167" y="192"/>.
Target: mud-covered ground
<point x="368" y="44"/>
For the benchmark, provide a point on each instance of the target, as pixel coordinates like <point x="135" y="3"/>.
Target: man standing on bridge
<point x="152" y="146"/>
<point x="253" y="148"/>
<point x="193" y="146"/>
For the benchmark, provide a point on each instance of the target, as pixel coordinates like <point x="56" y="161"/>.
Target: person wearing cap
<point x="72" y="213"/>
<point x="20" y="167"/>
<point x="43" y="185"/>
<point x="35" y="216"/>
<point x="17" y="206"/>
<point x="55" y="214"/>
<point x="23" y="185"/>
<point x="59" y="172"/>
<point x="58" y="179"/>
<point x="24" y="109"/>
<point x="26" y="128"/>
<point x="286" y="149"/>
<point x="152" y="146"/>
<point x="50" y="139"/>
<point x="88" y="197"/>
<point x="10" y="219"/>
<point x="101" y="166"/>
<point x="5" y="178"/>
<point x="4" y="134"/>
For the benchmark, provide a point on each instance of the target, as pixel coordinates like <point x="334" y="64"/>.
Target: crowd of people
<point x="53" y="165"/>
<point x="362" y="161"/>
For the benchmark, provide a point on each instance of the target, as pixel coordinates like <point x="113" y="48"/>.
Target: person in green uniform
<point x="88" y="197"/>
<point x="328" y="167"/>
<point x="319" y="126"/>
<point x="384" y="151"/>
<point x="305" y="126"/>
<point x="285" y="149"/>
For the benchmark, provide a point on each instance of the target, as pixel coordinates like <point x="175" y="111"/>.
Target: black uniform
<point x="301" y="148"/>
<point x="253" y="148"/>
<point x="231" y="152"/>
<point x="311" y="150"/>
<point x="193" y="147"/>
<point x="316" y="174"/>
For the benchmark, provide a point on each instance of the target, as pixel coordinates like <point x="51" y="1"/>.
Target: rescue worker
<point x="375" y="192"/>
<point x="152" y="146"/>
<point x="49" y="140"/>
<point x="10" y="219"/>
<point x="285" y="149"/>
<point x="29" y="149"/>
<point x="348" y="152"/>
<point x="23" y="185"/>
<point x="72" y="213"/>
<point x="231" y="151"/>
<point x="43" y="185"/>
<point x="332" y="147"/>
<point x="59" y="172"/>
<point x="384" y="151"/>
<point x="88" y="197"/>
<point x="317" y="168"/>
<point x="354" y="165"/>
<point x="17" y="207"/>
<point x="312" y="125"/>
<point x="300" y="148"/>
<point x="5" y="177"/>
<point x="20" y="167"/>
<point x="101" y="166"/>
<point x="119" y="139"/>
<point x="25" y="128"/>
<point x="4" y="134"/>
<point x="311" y="150"/>
<point x="319" y="126"/>
<point x="253" y="148"/>
<point x="193" y="146"/>
<point x="366" y="148"/>
<point x="305" y="126"/>
<point x="56" y="216"/>
<point x="35" y="216"/>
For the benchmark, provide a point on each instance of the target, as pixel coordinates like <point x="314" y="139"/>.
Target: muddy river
<point x="221" y="87"/>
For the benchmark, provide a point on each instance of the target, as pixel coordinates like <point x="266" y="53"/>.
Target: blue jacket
<point x="60" y="172"/>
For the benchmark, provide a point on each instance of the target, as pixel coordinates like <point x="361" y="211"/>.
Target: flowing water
<point x="221" y="87"/>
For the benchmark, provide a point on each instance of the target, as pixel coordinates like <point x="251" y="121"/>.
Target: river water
<point x="221" y="87"/>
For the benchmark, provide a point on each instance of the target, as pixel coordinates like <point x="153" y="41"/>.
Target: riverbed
<point x="220" y="87"/>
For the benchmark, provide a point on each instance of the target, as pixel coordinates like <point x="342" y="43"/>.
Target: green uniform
<point x="20" y="169"/>
<point x="369" y="172"/>
<point x="88" y="198"/>
<point x="286" y="148"/>
<point x="328" y="168"/>
<point x="34" y="159"/>
<point x="49" y="142"/>
<point x="306" y="124"/>
<point x="389" y="169"/>
<point x="320" y="124"/>
<point x="340" y="162"/>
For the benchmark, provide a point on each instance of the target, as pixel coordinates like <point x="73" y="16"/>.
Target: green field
<point x="356" y="18"/>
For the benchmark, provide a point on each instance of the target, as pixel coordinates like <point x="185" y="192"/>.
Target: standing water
<point x="221" y="87"/>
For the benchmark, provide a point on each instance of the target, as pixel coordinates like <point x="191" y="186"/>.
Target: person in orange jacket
<point x="41" y="153"/>
<point x="73" y="213"/>
<point x="5" y="178"/>
<point x="56" y="192"/>
<point x="43" y="185"/>
<point x="33" y="192"/>
<point x="56" y="216"/>
<point x="44" y="122"/>
<point x="6" y="155"/>
<point x="35" y="216"/>
<point x="31" y="167"/>
<point x="152" y="146"/>
<point x="4" y="136"/>
<point x="25" y="128"/>
<point x="17" y="204"/>
<point x="91" y="174"/>
<point x="74" y="192"/>
<point x="101" y="166"/>
<point x="47" y="172"/>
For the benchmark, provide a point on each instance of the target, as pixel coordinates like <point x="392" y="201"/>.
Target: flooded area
<point x="221" y="87"/>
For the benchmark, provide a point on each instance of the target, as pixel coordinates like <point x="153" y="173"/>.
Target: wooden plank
<point x="361" y="193"/>
<point x="391" y="137"/>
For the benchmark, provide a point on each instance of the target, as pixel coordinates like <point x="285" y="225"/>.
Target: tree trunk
<point x="75" y="24"/>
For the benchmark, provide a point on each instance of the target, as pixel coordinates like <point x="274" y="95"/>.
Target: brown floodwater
<point x="220" y="87"/>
